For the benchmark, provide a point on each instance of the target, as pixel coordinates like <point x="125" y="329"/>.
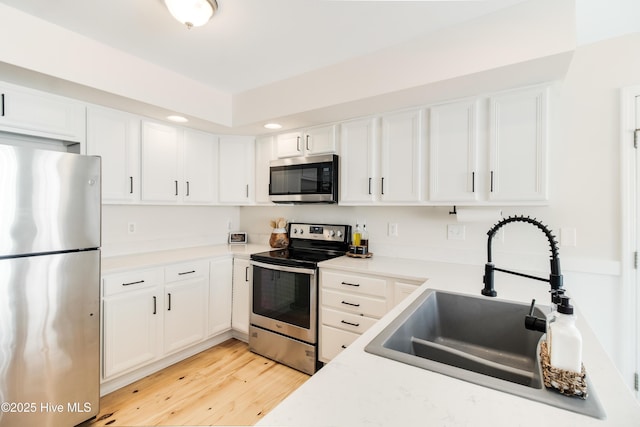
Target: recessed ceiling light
<point x="273" y="126"/>
<point x="177" y="119"/>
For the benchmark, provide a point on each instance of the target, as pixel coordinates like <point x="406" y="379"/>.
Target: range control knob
<point x="340" y="234"/>
<point x="295" y="231"/>
<point x="301" y="231"/>
<point x="332" y="233"/>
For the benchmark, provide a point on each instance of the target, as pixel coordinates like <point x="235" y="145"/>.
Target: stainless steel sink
<point x="477" y="339"/>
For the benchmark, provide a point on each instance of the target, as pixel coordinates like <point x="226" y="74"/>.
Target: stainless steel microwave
<point x="312" y="179"/>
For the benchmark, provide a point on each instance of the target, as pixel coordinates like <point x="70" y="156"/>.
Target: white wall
<point x="584" y="195"/>
<point x="164" y="227"/>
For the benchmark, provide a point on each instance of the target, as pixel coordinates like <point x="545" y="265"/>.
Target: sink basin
<point x="476" y="339"/>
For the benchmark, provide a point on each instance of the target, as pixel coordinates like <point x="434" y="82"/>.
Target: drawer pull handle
<point x="133" y="283"/>
<point x="186" y="272"/>
<point x="351" y="284"/>
<point x="343" y="346"/>
<point x="350" y="303"/>
<point x="154" y="305"/>
<point x="349" y="323"/>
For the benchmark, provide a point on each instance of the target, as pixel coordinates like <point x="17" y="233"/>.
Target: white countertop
<point x="362" y="389"/>
<point x="153" y="259"/>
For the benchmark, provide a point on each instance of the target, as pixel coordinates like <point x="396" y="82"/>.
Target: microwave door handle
<point x="283" y="268"/>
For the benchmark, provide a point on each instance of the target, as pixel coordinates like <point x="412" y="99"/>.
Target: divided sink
<point x="476" y="339"/>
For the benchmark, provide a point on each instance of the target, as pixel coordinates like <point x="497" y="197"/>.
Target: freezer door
<point x="50" y="201"/>
<point x="49" y="339"/>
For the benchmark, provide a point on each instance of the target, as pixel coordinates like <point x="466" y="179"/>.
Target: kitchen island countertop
<point x="361" y="389"/>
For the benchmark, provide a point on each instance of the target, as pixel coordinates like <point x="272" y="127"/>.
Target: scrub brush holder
<point x="279" y="238"/>
<point x="566" y="382"/>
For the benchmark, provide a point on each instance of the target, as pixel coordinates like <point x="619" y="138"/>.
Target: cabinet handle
<point x="297" y="143"/>
<point x="187" y="188"/>
<point x="307" y="143"/>
<point x="155" y="306"/>
<point x="349" y="323"/>
<point x="369" y="186"/>
<point x="351" y="304"/>
<point x="382" y="186"/>
<point x="473" y="182"/>
<point x="351" y="284"/>
<point x="247" y="191"/>
<point x="130" y="185"/>
<point x="343" y="346"/>
<point x="133" y="283"/>
<point x="176" y="187"/>
<point x="246" y="274"/>
<point x="169" y="308"/>
<point x="2" y="105"/>
<point x="186" y="272"/>
<point x="492" y="181"/>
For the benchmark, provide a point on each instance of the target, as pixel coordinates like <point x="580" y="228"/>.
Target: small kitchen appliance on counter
<point x="284" y="297"/>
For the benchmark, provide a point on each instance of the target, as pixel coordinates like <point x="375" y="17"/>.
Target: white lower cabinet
<point x="220" y="295"/>
<point x="241" y="295"/>
<point x="186" y="305"/>
<point x="350" y="303"/>
<point x="131" y="320"/>
<point x="150" y="315"/>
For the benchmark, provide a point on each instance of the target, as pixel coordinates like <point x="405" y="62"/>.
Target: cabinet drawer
<point x="333" y="341"/>
<point x="130" y="281"/>
<point x="358" y="304"/>
<point x="347" y="321"/>
<point x="355" y="283"/>
<point x="185" y="271"/>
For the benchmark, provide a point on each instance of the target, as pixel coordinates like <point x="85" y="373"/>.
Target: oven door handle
<point x="283" y="268"/>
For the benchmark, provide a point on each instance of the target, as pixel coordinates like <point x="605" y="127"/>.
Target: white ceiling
<point x="251" y="43"/>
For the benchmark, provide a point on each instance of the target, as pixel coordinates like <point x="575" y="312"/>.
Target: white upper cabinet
<point x="264" y="155"/>
<point x="160" y="162"/>
<point x="31" y="112"/>
<point x="381" y="160"/>
<point x="236" y="170"/>
<point x="199" y="164"/>
<point x="115" y="136"/>
<point x="518" y="133"/>
<point x="178" y="165"/>
<point x="453" y="145"/>
<point x="319" y="140"/>
<point x="401" y="165"/>
<point x="358" y="157"/>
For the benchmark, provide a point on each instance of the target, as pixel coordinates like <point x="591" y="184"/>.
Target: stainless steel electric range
<point x="284" y="297"/>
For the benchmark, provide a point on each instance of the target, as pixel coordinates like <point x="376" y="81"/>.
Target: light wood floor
<point x="225" y="385"/>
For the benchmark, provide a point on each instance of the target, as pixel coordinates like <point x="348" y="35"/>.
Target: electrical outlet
<point x="392" y="229"/>
<point x="131" y="227"/>
<point x="455" y="232"/>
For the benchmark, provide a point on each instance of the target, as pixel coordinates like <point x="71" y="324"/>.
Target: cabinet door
<point x="220" y="295"/>
<point x="131" y="321"/>
<point x="264" y="155"/>
<point x="32" y="112"/>
<point x="518" y="145"/>
<point x="289" y="145"/>
<point x="320" y="140"/>
<point x="401" y="157"/>
<point x="237" y="167"/>
<point x="185" y="313"/>
<point x="115" y="136"/>
<point x="358" y="183"/>
<point x="200" y="161"/>
<point x="160" y="172"/>
<point x="453" y="140"/>
<point x="241" y="295"/>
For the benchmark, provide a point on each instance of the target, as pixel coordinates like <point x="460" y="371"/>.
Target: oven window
<point x="282" y="296"/>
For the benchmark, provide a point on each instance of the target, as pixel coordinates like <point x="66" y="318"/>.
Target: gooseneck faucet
<point x="555" y="277"/>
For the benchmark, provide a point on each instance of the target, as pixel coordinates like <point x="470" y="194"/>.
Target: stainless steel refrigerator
<point x="49" y="287"/>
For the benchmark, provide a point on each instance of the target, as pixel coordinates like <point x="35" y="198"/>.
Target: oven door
<point x="284" y="300"/>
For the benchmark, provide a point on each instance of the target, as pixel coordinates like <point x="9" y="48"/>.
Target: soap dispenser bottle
<point x="566" y="340"/>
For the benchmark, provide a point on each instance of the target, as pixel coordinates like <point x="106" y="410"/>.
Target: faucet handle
<point x="534" y="323"/>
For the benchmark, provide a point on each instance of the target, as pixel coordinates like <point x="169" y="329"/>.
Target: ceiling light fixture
<point x="273" y="126"/>
<point x="177" y="119"/>
<point x="192" y="13"/>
